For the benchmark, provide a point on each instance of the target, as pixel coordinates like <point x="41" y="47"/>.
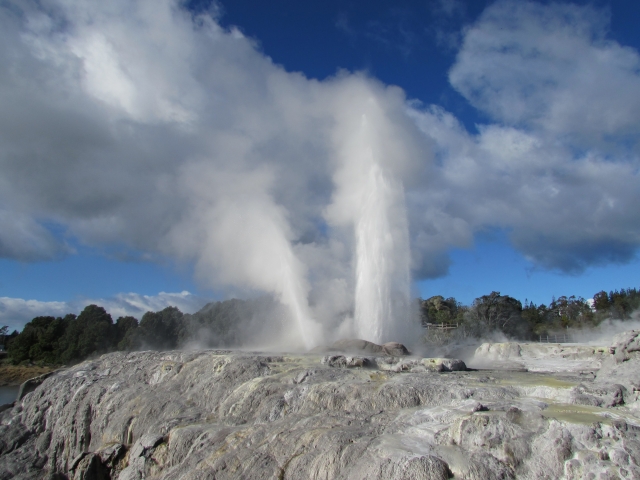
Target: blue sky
<point x="148" y="147"/>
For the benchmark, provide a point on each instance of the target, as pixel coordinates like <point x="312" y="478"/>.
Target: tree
<point x="536" y="318"/>
<point x="3" y="335"/>
<point x="125" y="329"/>
<point x="437" y="309"/>
<point x="601" y="302"/>
<point x="619" y="304"/>
<point x="157" y="330"/>
<point x="498" y="312"/>
<point x="91" y="333"/>
<point x="37" y="341"/>
<point x="570" y="311"/>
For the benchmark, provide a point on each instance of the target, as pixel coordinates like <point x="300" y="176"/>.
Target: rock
<point x="135" y="470"/>
<point x="338" y="361"/>
<point x="112" y="455"/>
<point x="617" y="382"/>
<point x="355" y="346"/>
<point x="398" y="364"/>
<point x="90" y="468"/>
<point x="31" y="384"/>
<point x="444" y="364"/>
<point x="499" y="351"/>
<point x="395" y="349"/>
<point x="342" y="361"/>
<point x="624" y="344"/>
<point x="12" y="436"/>
<point x="416" y="468"/>
<point x="145" y="443"/>
<point x="540" y="357"/>
<point x="227" y="415"/>
<point x="598" y="395"/>
<point x="363" y="346"/>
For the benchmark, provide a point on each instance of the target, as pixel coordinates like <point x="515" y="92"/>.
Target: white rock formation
<point x="230" y="415"/>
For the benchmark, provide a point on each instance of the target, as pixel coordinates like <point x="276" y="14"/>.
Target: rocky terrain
<point x="332" y="415"/>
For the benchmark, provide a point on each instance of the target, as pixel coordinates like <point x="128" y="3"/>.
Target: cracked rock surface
<point x="228" y="415"/>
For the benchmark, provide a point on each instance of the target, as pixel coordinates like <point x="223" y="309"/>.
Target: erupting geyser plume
<point x="382" y="250"/>
<point x="370" y="198"/>
<point x="244" y="238"/>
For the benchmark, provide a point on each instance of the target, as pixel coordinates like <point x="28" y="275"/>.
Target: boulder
<point x="444" y="364"/>
<point x="343" y="361"/>
<point x="356" y="345"/>
<point x="395" y="349"/>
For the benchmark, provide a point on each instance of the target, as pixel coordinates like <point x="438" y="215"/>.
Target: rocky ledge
<point x="229" y="415"/>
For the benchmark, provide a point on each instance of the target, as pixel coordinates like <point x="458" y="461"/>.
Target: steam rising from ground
<point x="603" y="334"/>
<point x="139" y="123"/>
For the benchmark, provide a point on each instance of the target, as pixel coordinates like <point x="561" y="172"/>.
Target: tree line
<point x="495" y="312"/>
<point x="73" y="338"/>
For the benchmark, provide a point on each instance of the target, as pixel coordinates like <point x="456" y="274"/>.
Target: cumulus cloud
<point x="23" y="238"/>
<point x="143" y="124"/>
<point x="16" y="312"/>
<point x="558" y="169"/>
<point x="551" y="68"/>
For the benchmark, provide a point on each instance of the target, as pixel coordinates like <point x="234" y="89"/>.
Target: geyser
<point x="370" y="196"/>
<point x="382" y="265"/>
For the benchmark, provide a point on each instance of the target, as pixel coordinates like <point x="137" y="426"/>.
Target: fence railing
<point x="440" y="326"/>
<point x="556" y="338"/>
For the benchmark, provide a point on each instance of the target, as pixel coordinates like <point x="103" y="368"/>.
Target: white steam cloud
<point x="375" y="152"/>
<point x="140" y="123"/>
<point x="15" y="312"/>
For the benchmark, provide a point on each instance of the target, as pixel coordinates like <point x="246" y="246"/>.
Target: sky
<point x="158" y="153"/>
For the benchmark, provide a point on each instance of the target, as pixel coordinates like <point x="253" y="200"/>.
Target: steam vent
<point x="356" y="410"/>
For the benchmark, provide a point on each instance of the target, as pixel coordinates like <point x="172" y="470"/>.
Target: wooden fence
<point x="556" y="338"/>
<point x="440" y="326"/>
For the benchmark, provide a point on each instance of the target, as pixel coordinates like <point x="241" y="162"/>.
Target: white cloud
<point x="559" y="168"/>
<point x="22" y="238"/>
<point x="16" y="312"/>
<point x="551" y="68"/>
<point x="562" y="212"/>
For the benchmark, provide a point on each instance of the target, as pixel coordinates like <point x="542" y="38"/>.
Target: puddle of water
<point x="582" y="414"/>
<point x="8" y="394"/>
<point x="536" y="380"/>
<point x="520" y="379"/>
<point x="585" y="414"/>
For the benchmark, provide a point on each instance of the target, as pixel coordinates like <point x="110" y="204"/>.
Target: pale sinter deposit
<point x="230" y="414"/>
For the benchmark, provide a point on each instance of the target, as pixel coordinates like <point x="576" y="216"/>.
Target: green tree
<point x="39" y="341"/>
<point x="498" y="312"/>
<point x="125" y="329"/>
<point x="535" y="316"/>
<point x="157" y="330"/>
<point x="572" y="311"/>
<point x="618" y="304"/>
<point x="91" y="333"/>
<point x="3" y="335"/>
<point x="601" y="302"/>
<point x="437" y="309"/>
